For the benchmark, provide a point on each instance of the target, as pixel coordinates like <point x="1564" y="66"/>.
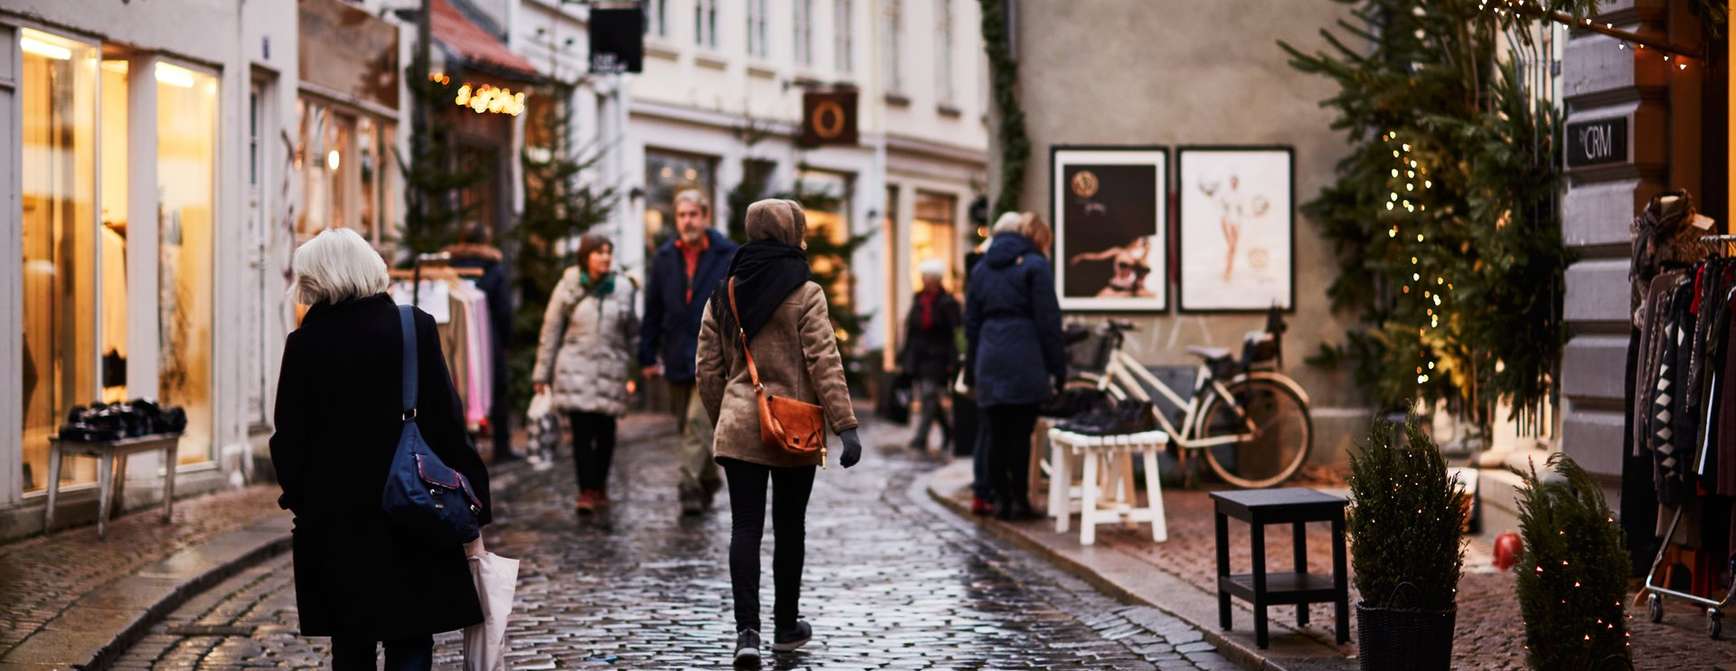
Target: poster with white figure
<point x="1236" y="242"/>
<point x="1110" y="227"/>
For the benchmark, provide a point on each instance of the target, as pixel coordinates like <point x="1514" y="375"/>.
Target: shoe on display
<point x="747" y="643"/>
<point x="790" y="638"/>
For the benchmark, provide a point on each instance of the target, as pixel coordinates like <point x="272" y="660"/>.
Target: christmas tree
<point x="1572" y="578"/>
<point x="434" y="174"/>
<point x="559" y="206"/>
<point x="1445" y="214"/>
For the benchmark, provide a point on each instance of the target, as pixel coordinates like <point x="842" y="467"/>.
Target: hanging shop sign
<point x="617" y="39"/>
<point x="1597" y="142"/>
<point x="828" y="117"/>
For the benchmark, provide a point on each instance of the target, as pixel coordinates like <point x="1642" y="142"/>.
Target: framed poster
<point x="1237" y="237"/>
<point x="1109" y="208"/>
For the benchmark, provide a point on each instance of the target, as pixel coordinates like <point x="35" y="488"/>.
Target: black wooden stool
<point x="1295" y="506"/>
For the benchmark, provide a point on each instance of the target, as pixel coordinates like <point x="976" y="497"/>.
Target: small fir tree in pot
<point x="1405" y="547"/>
<point x="1572" y="577"/>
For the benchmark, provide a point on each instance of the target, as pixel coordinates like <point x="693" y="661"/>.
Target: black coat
<point x="932" y="353"/>
<point x="1012" y="324"/>
<point x="671" y="326"/>
<point x="338" y="420"/>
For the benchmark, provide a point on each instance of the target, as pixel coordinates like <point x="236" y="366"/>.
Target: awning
<point x="461" y="37"/>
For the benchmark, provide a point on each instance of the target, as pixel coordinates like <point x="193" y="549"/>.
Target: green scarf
<point x="600" y="289"/>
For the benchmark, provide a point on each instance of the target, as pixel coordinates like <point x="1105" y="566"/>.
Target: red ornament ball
<point x="1508" y="547"/>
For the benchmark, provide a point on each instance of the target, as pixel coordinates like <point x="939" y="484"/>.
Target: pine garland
<point x="1405" y="520"/>
<point x="1015" y="146"/>
<point x="1572" y="577"/>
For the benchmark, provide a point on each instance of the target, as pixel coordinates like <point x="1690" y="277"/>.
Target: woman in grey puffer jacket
<point x="582" y="357"/>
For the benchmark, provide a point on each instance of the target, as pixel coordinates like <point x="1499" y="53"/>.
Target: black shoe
<point x="1017" y="510"/>
<point x="747" y="643"/>
<point x="790" y="638"/>
<point x="691" y="503"/>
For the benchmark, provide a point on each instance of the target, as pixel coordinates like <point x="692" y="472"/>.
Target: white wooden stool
<point x="1098" y="451"/>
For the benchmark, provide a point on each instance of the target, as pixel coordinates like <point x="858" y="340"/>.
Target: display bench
<point x="111" y="472"/>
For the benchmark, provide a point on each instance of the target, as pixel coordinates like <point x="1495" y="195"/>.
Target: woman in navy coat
<point x="1013" y="324"/>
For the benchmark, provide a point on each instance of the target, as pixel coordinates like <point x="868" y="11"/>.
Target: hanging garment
<point x="1653" y="327"/>
<point x="1670" y="424"/>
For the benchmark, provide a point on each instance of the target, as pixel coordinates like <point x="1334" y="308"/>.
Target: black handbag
<point x="423" y="495"/>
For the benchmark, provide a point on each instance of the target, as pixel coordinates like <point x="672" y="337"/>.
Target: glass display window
<point x="934" y="235"/>
<point x="58" y="118"/>
<point x="186" y="173"/>
<point x="666" y="174"/>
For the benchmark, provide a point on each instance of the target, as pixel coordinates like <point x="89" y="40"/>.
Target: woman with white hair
<point x="358" y="578"/>
<point x="1014" y="356"/>
<point x="931" y="351"/>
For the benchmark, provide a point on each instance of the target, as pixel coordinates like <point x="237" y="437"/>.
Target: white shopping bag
<point x="496" y="579"/>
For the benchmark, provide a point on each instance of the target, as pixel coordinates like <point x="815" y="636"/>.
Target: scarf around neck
<point x="765" y="273"/>
<point x="598" y="288"/>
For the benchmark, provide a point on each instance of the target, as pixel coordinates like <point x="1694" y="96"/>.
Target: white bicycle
<point x="1251" y="421"/>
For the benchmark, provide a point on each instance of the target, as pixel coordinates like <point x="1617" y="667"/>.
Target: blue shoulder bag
<point x="423" y="495"/>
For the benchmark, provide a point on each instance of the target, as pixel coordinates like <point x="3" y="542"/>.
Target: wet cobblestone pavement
<point x="891" y="582"/>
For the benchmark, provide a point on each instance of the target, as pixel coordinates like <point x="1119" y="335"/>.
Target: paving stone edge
<point x="1230" y="648"/>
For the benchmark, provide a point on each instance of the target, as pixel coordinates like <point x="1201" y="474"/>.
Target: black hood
<point x="1007" y="249"/>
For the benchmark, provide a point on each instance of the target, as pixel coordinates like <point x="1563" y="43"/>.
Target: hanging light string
<point x="1675" y="54"/>
<point x="1407" y="180"/>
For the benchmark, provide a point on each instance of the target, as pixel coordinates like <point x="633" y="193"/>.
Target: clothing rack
<point x="1719" y="245"/>
<point x="437" y="260"/>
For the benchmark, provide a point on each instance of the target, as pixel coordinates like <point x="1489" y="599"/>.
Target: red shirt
<point x="690" y="258"/>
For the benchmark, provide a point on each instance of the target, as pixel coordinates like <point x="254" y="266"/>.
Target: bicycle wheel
<point x="1281" y="432"/>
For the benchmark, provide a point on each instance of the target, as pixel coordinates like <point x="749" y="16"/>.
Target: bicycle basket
<point x="1087" y="349"/>
<point x="1260" y="351"/>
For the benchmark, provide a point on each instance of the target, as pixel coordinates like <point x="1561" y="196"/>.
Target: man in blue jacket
<point x="684" y="272"/>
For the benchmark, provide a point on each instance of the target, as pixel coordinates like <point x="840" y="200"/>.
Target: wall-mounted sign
<point x="828" y="118"/>
<point x="1597" y="142"/>
<point x="617" y="39"/>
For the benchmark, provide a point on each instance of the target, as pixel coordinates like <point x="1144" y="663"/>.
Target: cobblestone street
<point x="892" y="581"/>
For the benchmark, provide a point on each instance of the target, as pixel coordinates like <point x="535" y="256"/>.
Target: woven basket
<point x="1404" y="638"/>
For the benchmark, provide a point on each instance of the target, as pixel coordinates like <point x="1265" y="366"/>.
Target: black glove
<point x="852" y="448"/>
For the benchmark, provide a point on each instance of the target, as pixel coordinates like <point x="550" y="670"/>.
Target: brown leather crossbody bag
<point x="785" y="423"/>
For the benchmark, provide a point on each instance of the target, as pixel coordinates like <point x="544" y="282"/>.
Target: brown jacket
<point x="797" y="356"/>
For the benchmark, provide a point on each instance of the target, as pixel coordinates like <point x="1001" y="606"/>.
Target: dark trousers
<point x="593" y="448"/>
<point x="1639" y="498"/>
<point x="983" y="484"/>
<point x="1009" y="428"/>
<point x="928" y="392"/>
<point x="747" y="502"/>
<point x="410" y="654"/>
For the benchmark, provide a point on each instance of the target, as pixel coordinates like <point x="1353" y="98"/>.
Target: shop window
<point x="113" y="233"/>
<point x="934" y="235"/>
<point x="667" y="174"/>
<point x="826" y="203"/>
<point x="344" y="160"/>
<point x="58" y="124"/>
<point x="186" y="174"/>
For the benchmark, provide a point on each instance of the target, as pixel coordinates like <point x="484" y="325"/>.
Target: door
<point x="256" y="236"/>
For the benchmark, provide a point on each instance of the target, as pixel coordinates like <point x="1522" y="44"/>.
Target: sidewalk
<point x="68" y="599"/>
<point x="1179" y="576"/>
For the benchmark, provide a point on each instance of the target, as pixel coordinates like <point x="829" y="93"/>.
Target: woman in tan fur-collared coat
<point x="783" y="315"/>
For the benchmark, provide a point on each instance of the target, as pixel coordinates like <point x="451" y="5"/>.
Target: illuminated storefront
<point x="126" y="143"/>
<point x="347" y="115"/>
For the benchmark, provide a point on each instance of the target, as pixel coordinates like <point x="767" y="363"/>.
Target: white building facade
<point x="721" y="95"/>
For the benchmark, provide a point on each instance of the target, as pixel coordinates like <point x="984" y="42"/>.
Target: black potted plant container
<point x="1406" y="549"/>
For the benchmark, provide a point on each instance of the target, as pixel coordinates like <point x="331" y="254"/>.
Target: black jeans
<point x="593" y="448"/>
<point x="1009" y="429"/>
<point x="747" y="503"/>
<point x="410" y="654"/>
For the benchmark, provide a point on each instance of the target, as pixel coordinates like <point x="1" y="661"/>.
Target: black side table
<point x="1295" y="506"/>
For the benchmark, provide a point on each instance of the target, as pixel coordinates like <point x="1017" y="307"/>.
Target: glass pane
<point x="58" y="106"/>
<point x="113" y="255"/>
<point x="667" y="174"/>
<point x="186" y="173"/>
<point x="368" y="169"/>
<point x="933" y="236"/>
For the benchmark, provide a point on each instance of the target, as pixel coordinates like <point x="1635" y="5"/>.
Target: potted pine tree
<point x="1572" y="576"/>
<point x="1406" y="550"/>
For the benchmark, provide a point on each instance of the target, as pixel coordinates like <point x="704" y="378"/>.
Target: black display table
<point x="1295" y="506"/>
